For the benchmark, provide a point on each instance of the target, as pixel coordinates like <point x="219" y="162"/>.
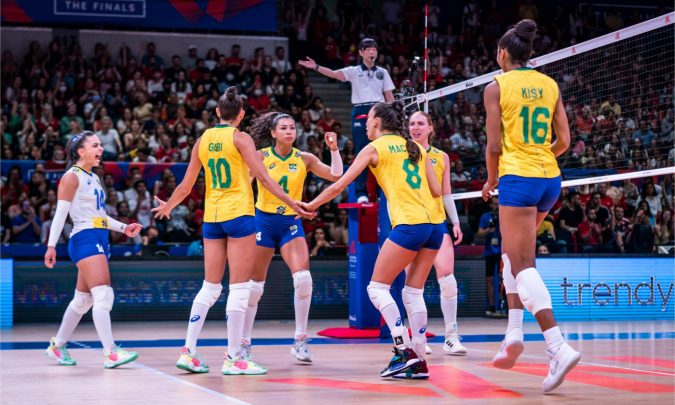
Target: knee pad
<point x="532" y="291"/>
<point x="510" y="284"/>
<point x="257" y="288"/>
<point x="448" y="286"/>
<point x="81" y="303"/>
<point x="104" y="297"/>
<point x="413" y="300"/>
<point x="302" y="281"/>
<point x="208" y="294"/>
<point x="379" y="295"/>
<point x="237" y="299"/>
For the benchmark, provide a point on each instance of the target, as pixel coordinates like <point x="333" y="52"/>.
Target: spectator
<point x="590" y="233"/>
<point x="650" y="195"/>
<point x="570" y="216"/>
<point x="280" y="63"/>
<point x="641" y="238"/>
<point x="110" y="139"/>
<point x="664" y="230"/>
<point x="620" y="228"/>
<point x="338" y="229"/>
<point x="140" y="203"/>
<point x="488" y="230"/>
<point x="26" y="227"/>
<point x="319" y="242"/>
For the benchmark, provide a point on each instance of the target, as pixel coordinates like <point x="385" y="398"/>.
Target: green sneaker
<point x="59" y="353"/>
<point x="241" y="366"/>
<point x="118" y="357"/>
<point x="191" y="362"/>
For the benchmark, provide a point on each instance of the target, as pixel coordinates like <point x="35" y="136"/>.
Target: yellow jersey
<point x="290" y="172"/>
<point x="228" y="189"/>
<point x="438" y="163"/>
<point x="527" y="100"/>
<point x="404" y="183"/>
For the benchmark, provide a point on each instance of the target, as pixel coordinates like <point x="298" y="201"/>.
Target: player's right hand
<point x="301" y="209"/>
<point x="50" y="257"/>
<point x="162" y="210"/>
<point x="309" y="63"/>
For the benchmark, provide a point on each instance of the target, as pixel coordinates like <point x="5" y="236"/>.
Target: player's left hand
<point x="131" y="230"/>
<point x="488" y="189"/>
<point x="457" y="231"/>
<point x="301" y="208"/>
<point x="162" y="210"/>
<point x="331" y="140"/>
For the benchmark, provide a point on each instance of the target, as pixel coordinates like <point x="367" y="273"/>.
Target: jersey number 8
<point x="413" y="177"/>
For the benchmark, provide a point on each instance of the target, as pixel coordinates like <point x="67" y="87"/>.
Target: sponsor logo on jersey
<point x="292" y="167"/>
<point x="272" y="166"/>
<point x="294" y="229"/>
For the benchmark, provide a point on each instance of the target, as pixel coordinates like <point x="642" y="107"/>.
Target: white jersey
<point x="87" y="210"/>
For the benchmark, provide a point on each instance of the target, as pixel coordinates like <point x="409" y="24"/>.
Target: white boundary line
<point x="613" y="37"/>
<point x="588" y="363"/>
<point x="139" y="365"/>
<point x="588" y="180"/>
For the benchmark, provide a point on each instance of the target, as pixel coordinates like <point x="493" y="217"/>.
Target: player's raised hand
<point x="309" y="63"/>
<point x="132" y="230"/>
<point x="161" y="210"/>
<point x="331" y="140"/>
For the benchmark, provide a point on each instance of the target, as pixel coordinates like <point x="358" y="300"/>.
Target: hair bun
<point x="526" y="30"/>
<point x="231" y="93"/>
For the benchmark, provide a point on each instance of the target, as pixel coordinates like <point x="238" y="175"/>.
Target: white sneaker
<point x="452" y="346"/>
<point x="559" y="365"/>
<point x="511" y="348"/>
<point x="428" y="350"/>
<point x="300" y="349"/>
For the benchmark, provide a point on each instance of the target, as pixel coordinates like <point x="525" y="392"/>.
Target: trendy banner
<point x="236" y="15"/>
<point x="610" y="288"/>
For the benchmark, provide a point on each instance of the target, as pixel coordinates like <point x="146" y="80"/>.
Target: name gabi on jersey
<point x="397" y="149"/>
<point x="215" y="147"/>
<point x="531" y="92"/>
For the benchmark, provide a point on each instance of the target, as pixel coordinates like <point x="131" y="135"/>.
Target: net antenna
<point x="648" y="27"/>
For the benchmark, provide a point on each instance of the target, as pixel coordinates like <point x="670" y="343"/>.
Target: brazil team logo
<point x="292" y="167"/>
<point x="281" y="210"/>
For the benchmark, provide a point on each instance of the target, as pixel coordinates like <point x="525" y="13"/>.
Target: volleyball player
<point x="226" y="154"/>
<point x="277" y="224"/>
<point x="81" y="196"/>
<point x="400" y="166"/>
<point x="421" y="129"/>
<point x="521" y="104"/>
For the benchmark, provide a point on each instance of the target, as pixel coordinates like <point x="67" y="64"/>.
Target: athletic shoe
<point x="400" y="362"/>
<point x="240" y="366"/>
<point x="418" y="371"/>
<point x="428" y="350"/>
<point x="452" y="346"/>
<point x="511" y="348"/>
<point x="245" y="351"/>
<point x="300" y="349"/>
<point x="118" y="357"/>
<point x="560" y="363"/>
<point x="191" y="362"/>
<point x="59" y="353"/>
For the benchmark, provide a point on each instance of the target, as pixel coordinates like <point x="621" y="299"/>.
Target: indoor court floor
<point x="622" y="362"/>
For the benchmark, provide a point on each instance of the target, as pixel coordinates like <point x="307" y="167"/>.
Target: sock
<point x="398" y="331"/>
<point x="515" y="324"/>
<point x="197" y="317"/>
<point x="449" y="309"/>
<point x="554" y="339"/>
<point x="102" y="320"/>
<point x="71" y="318"/>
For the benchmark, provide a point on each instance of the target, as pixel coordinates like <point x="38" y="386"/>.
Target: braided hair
<point x="393" y="120"/>
<point x="74" y="144"/>
<point x="261" y="128"/>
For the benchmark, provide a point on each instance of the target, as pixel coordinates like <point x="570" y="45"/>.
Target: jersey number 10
<point x="536" y="127"/>
<point x="220" y="173"/>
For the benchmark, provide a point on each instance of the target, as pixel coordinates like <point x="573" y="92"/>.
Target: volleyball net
<point x="619" y="97"/>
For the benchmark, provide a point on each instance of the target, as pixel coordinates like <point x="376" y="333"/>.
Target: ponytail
<point x="392" y="117"/>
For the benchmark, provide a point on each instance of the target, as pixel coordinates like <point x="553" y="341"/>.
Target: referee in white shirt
<point x="370" y="84"/>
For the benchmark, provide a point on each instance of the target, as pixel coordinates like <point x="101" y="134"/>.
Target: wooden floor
<point x="621" y="363"/>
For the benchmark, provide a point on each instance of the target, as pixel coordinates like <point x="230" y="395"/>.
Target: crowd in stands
<point x="151" y="107"/>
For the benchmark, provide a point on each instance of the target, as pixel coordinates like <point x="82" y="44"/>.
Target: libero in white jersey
<point x="81" y="196"/>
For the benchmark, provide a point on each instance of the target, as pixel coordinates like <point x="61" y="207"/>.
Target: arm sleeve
<point x="62" y="208"/>
<point x="115" y="225"/>
<point x="449" y="204"/>
<point x="336" y="167"/>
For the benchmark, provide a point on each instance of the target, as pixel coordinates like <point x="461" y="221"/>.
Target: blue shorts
<point x="89" y="242"/>
<point x="419" y="236"/>
<point x="517" y="191"/>
<point x="234" y="228"/>
<point x="276" y="230"/>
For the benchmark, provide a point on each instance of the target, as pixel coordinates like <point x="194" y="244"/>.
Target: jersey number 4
<point x="532" y="128"/>
<point x="220" y="173"/>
